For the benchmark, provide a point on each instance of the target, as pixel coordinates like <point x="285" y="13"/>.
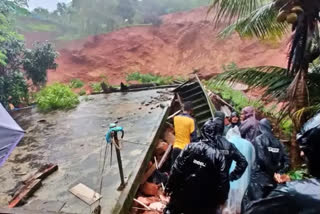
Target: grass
<point x="56" y="96"/>
<point x="236" y="98"/>
<point x="149" y="78"/>
<point x="82" y="92"/>
<point x="76" y="83"/>
<point x="42" y="27"/>
<point x="96" y="87"/>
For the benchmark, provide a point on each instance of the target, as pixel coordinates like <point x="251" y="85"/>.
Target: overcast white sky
<point x="48" y="4"/>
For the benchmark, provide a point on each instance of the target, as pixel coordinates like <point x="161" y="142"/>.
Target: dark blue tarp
<point x="10" y="134"/>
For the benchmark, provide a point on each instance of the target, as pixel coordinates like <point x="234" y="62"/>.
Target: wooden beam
<point x="42" y="173"/>
<point x="153" y="168"/>
<point x="26" y="192"/>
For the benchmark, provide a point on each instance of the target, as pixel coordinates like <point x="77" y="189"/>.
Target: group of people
<point x="234" y="166"/>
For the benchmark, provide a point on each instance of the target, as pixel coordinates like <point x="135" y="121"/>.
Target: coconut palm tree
<point x="271" y="19"/>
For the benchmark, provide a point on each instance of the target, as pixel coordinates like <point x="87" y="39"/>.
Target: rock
<point x="146" y="200"/>
<point x="150" y="212"/>
<point x="150" y="189"/>
<point x="161" y="148"/>
<point x="143" y="200"/>
<point x="164" y="199"/>
<point x="158" y="206"/>
<point x="169" y="136"/>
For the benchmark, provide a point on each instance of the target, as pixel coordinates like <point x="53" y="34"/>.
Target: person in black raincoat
<point x="249" y="128"/>
<point x="235" y="120"/>
<point x="212" y="132"/>
<point x="297" y="197"/>
<point x="199" y="181"/>
<point x="271" y="158"/>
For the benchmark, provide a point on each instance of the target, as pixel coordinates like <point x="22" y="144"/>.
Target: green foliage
<point x="149" y="78"/>
<point x="42" y="27"/>
<point x="56" y="96"/>
<point x="286" y="126"/>
<point x="76" y="83"/>
<point x="83" y="17"/>
<point x="96" y="87"/>
<point x="236" y="98"/>
<point x="38" y="60"/>
<point x="298" y="174"/>
<point x="13" y="89"/>
<point x="82" y="92"/>
<point x="260" y="23"/>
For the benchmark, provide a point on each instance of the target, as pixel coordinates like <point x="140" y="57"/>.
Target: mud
<point x="184" y="42"/>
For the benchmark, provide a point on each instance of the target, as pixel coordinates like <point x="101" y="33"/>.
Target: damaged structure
<point x="75" y="141"/>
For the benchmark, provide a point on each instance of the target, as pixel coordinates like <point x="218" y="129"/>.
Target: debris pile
<point x="26" y="188"/>
<point x="151" y="198"/>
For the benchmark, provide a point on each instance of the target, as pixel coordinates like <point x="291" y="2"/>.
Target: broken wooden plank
<point x="141" y="203"/>
<point x="153" y="168"/>
<point x="25" y="193"/>
<point x="86" y="194"/>
<point x="174" y="114"/>
<point x="43" y="172"/>
<point x="165" y="156"/>
<point x="148" y="173"/>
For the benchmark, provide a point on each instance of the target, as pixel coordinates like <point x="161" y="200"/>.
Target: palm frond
<point x="259" y="23"/>
<point x="309" y="111"/>
<point x="230" y="9"/>
<point x="272" y="78"/>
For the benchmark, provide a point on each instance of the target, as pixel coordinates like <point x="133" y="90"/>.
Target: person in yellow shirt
<point x="185" y="130"/>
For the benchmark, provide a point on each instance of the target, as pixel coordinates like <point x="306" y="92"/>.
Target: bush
<point x="149" y="78"/>
<point x="76" y="83"/>
<point x="82" y="92"/>
<point x="13" y="89"/>
<point x="56" y="96"/>
<point x="96" y="87"/>
<point x="236" y="98"/>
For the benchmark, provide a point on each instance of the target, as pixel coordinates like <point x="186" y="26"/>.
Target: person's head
<point x="247" y="112"/>
<point x="310" y="146"/>
<point x="212" y="128"/>
<point x="227" y="120"/>
<point x="265" y="126"/>
<point x="220" y="115"/>
<point x="187" y="107"/>
<point x="234" y="118"/>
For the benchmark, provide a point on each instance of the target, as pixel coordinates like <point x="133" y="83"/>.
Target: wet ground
<point x="74" y="140"/>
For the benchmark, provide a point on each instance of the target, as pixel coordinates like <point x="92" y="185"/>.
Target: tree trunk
<point x="298" y="101"/>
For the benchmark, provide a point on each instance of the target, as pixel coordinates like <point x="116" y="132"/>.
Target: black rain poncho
<point x="198" y="181"/>
<point x="212" y="132"/>
<point x="271" y="158"/>
<point x="296" y="197"/>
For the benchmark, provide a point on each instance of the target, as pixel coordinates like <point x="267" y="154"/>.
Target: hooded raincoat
<point x="296" y="197"/>
<point x="198" y="181"/>
<point x="249" y="128"/>
<point x="271" y="157"/>
<point x="212" y="132"/>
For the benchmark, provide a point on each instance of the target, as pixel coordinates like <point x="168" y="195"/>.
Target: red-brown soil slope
<point x="185" y="41"/>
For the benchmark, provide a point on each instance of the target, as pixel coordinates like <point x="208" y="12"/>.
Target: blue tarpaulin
<point x="10" y="134"/>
